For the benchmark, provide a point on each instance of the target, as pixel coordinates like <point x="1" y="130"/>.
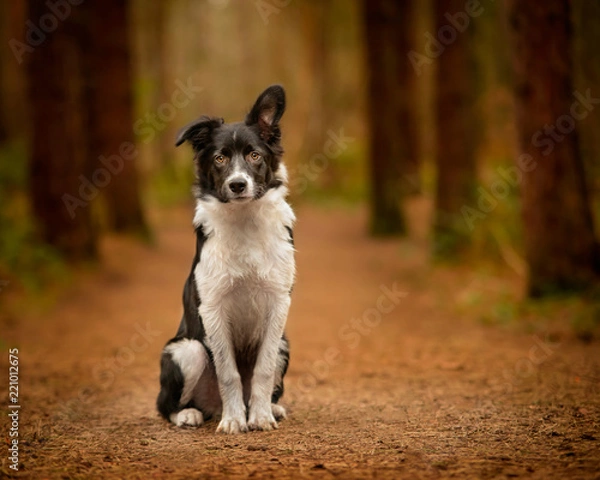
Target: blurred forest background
<point x="486" y="111"/>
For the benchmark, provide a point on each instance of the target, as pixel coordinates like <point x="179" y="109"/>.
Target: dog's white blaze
<point x="239" y="175"/>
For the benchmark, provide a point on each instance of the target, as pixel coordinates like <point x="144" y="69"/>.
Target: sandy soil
<point x="381" y="384"/>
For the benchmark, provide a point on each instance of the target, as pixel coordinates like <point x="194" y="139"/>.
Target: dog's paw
<point x="278" y="412"/>
<point x="188" y="417"/>
<point x="232" y="425"/>
<point x="263" y="421"/>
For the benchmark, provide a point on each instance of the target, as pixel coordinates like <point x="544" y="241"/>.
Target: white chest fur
<point x="247" y="262"/>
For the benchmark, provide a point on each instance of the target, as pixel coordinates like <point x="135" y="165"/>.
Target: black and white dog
<point x="230" y="353"/>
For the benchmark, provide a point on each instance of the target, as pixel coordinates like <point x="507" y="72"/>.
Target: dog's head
<point x="239" y="162"/>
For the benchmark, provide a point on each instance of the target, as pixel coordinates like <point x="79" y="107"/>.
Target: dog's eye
<point x="219" y="159"/>
<point x="255" y="156"/>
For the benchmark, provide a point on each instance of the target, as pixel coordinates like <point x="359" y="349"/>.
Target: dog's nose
<point x="237" y="187"/>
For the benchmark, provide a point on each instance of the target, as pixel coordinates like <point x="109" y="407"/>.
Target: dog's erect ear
<point x="198" y="132"/>
<point x="267" y="111"/>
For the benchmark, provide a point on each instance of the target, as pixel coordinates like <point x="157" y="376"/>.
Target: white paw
<point x="188" y="416"/>
<point x="262" y="420"/>
<point x="278" y="412"/>
<point x="232" y="425"/>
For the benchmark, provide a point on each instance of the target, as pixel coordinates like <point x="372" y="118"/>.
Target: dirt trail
<point x="381" y="384"/>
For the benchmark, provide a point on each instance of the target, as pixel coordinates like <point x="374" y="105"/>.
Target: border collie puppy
<point x="230" y="354"/>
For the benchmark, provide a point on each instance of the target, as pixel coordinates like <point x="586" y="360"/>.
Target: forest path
<point x="381" y="385"/>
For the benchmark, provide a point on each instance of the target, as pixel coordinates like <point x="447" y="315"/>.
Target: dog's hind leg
<point x="278" y="412"/>
<point x="182" y="363"/>
<point x="283" y="359"/>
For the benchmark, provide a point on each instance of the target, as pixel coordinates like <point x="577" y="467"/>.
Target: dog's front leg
<point x="261" y="414"/>
<point x="233" y="418"/>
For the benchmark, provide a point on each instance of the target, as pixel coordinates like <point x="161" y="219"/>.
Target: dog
<point x="230" y="353"/>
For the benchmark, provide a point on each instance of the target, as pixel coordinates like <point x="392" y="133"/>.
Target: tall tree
<point x="13" y="94"/>
<point x="59" y="151"/>
<point x="111" y="106"/>
<point x="587" y="74"/>
<point x="4" y="37"/>
<point x="406" y="103"/>
<point x="392" y="142"/>
<point x="3" y="109"/>
<point x="558" y="229"/>
<point x="455" y="131"/>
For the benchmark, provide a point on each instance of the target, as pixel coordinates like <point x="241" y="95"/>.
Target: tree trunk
<point x="59" y="152"/>
<point x="4" y="38"/>
<point x="587" y="74"/>
<point x="407" y="142"/>
<point x="392" y="142"/>
<point x="3" y="109"/>
<point x="558" y="227"/>
<point x="111" y="104"/>
<point x="455" y="130"/>
<point x="14" y="119"/>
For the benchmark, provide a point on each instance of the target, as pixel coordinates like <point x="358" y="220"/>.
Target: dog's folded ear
<point x="198" y="132"/>
<point x="267" y="112"/>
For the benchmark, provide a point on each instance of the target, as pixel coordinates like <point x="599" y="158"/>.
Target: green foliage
<point x="579" y="315"/>
<point x="13" y="171"/>
<point x="498" y="236"/>
<point x="586" y="321"/>
<point x="502" y="313"/>
<point x="449" y="242"/>
<point x="171" y="185"/>
<point x="343" y="180"/>
<point x="559" y="315"/>
<point x="387" y="226"/>
<point x="23" y="258"/>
